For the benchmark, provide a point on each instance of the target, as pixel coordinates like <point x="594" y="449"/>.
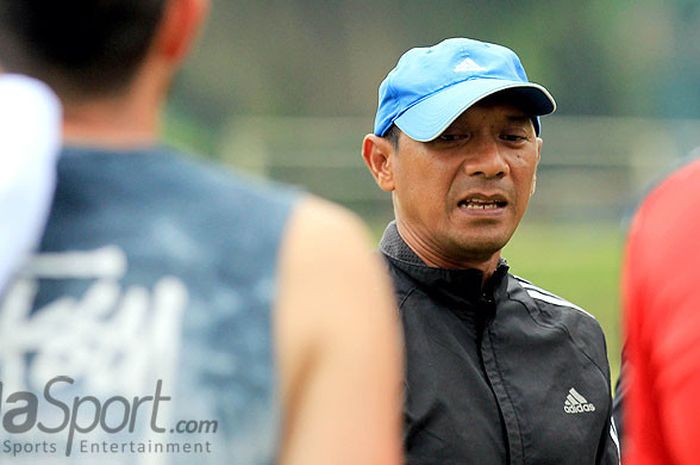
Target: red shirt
<point x="661" y="291"/>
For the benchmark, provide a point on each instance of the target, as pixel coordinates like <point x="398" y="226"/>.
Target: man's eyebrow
<point x="518" y="118"/>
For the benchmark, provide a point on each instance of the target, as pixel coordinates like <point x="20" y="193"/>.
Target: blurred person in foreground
<point x="498" y="370"/>
<point x="661" y="299"/>
<point x="30" y="122"/>
<point x="176" y="313"/>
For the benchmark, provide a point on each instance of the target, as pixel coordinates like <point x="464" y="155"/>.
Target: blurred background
<point x="287" y="89"/>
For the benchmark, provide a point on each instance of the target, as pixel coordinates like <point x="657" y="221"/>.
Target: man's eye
<point x="513" y="137"/>
<point x="451" y="137"/>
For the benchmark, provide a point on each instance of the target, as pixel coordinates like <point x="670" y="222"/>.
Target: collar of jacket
<point x="454" y="284"/>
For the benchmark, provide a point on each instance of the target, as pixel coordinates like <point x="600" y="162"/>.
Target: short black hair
<point x="81" y="48"/>
<point x="392" y="135"/>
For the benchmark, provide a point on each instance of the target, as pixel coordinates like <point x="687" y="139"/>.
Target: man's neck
<point x="111" y="122"/>
<point x="130" y="118"/>
<point x="435" y="259"/>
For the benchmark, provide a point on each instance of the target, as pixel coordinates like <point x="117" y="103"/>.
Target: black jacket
<point x="508" y="375"/>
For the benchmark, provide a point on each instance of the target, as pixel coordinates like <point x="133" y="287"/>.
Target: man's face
<point x="463" y="194"/>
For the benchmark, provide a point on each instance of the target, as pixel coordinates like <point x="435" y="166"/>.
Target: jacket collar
<point x="461" y="285"/>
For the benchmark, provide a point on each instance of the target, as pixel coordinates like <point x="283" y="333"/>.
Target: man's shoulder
<point x="552" y="311"/>
<point x="200" y="172"/>
<point x="161" y="169"/>
<point x="403" y="285"/>
<point x="151" y="195"/>
<point x="549" y="301"/>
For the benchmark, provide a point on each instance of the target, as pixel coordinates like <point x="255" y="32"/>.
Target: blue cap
<point x="431" y="86"/>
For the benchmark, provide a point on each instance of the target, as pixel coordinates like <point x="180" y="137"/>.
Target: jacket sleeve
<point x="619" y="403"/>
<point x="609" y="450"/>
<point x="609" y="446"/>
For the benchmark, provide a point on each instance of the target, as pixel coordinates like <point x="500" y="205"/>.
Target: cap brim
<point x="429" y="118"/>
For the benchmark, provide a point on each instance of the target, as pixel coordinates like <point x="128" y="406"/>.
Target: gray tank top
<point x="141" y="331"/>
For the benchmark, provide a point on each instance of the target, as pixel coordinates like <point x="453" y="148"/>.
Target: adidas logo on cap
<point x="576" y="403"/>
<point x="468" y="65"/>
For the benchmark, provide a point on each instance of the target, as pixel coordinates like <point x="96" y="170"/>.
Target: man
<point x="498" y="370"/>
<point x="662" y="349"/>
<point x="176" y="314"/>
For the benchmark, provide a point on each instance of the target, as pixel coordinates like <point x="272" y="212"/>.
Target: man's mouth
<point x="480" y="203"/>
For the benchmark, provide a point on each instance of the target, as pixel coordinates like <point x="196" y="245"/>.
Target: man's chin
<point x="478" y="252"/>
<point x="480" y="248"/>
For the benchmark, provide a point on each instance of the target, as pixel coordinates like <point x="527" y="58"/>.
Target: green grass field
<point x="580" y="263"/>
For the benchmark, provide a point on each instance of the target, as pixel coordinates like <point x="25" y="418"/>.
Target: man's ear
<point x="534" y="175"/>
<point x="179" y="25"/>
<point x="378" y="154"/>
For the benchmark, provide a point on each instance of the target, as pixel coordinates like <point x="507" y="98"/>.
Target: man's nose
<point x="486" y="160"/>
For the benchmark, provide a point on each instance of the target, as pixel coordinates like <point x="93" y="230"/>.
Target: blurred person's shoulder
<point x="663" y="217"/>
<point x="158" y="203"/>
<point x="681" y="183"/>
<point x="170" y="178"/>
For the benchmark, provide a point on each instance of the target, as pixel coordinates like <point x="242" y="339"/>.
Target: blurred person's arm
<point x="338" y="344"/>
<point x="662" y="322"/>
<point x="30" y="128"/>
